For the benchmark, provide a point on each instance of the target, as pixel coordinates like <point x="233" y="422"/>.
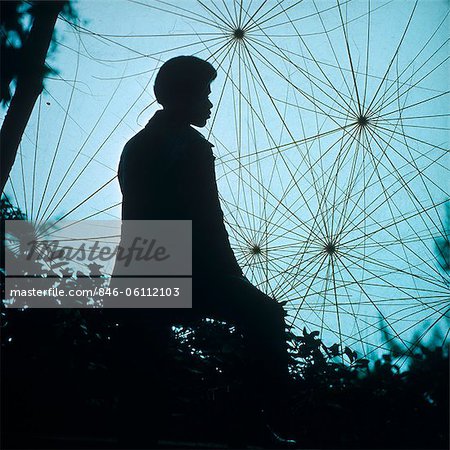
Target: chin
<point x="199" y="123"/>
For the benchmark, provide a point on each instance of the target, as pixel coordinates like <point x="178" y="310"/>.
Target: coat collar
<point x="162" y="118"/>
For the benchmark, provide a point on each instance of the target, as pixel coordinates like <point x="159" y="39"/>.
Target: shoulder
<point x="137" y="144"/>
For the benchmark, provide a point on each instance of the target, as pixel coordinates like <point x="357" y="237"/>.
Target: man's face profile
<point x="199" y="110"/>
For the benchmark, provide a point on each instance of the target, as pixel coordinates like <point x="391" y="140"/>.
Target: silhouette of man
<point x="167" y="172"/>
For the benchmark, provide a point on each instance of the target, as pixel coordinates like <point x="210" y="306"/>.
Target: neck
<point x="176" y="116"/>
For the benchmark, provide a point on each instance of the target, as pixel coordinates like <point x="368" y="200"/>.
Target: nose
<point x="210" y="105"/>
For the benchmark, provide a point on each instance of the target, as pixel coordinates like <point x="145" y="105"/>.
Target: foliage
<point x="16" y="17"/>
<point x="9" y="212"/>
<point x="370" y="406"/>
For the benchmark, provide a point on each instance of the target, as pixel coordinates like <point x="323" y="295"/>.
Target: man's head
<point x="182" y="86"/>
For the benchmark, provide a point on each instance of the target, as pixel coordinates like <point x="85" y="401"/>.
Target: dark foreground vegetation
<point x="58" y="390"/>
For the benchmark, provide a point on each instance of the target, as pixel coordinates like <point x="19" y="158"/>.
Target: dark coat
<point x="166" y="172"/>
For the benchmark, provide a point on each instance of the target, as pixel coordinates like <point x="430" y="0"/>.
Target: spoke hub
<point x="363" y="120"/>
<point x="255" y="249"/>
<point x="239" y="33"/>
<point x="330" y="248"/>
